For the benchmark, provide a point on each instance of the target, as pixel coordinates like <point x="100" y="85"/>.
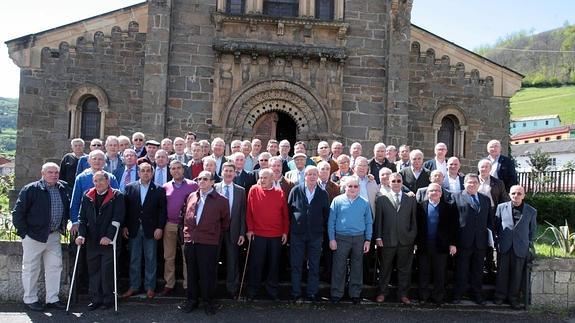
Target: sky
<point x="468" y="23"/>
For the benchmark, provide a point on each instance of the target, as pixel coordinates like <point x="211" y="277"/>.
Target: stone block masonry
<point x="553" y="283"/>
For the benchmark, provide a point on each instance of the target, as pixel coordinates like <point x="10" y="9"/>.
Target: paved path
<point x="263" y="311"/>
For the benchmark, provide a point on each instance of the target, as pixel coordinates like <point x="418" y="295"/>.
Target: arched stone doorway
<point x="300" y="113"/>
<point x="275" y="125"/>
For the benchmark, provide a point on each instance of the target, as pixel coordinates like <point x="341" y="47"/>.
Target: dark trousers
<point x="469" y="262"/>
<point x="101" y="272"/>
<point x="404" y="256"/>
<point x="326" y="259"/>
<point x="300" y="247"/>
<point x="264" y="251"/>
<point x="348" y="247"/>
<point x="432" y="264"/>
<point x="232" y="263"/>
<point x="509" y="276"/>
<point x="201" y="262"/>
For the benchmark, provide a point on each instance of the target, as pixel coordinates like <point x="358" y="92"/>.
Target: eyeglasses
<point x="323" y="147"/>
<point x="396" y="181"/>
<point x="264" y="159"/>
<point x="137" y="139"/>
<point x="201" y="179"/>
<point x="96" y="145"/>
<point x="352" y="186"/>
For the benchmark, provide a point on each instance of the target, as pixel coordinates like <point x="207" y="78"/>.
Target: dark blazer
<point x="446" y="228"/>
<point x="94" y="226"/>
<point x="224" y="159"/>
<point x="421" y="195"/>
<point x="308" y="219"/>
<point x="374" y="168"/>
<point x="187" y="158"/>
<point x="506" y="172"/>
<point x="245" y="180"/>
<point x="31" y="214"/>
<point x="119" y="168"/>
<point x="152" y="214"/>
<point x="286" y="187"/>
<point x="238" y="214"/>
<point x="518" y="236"/>
<point x="68" y="167"/>
<point x="392" y="226"/>
<point x="332" y="190"/>
<point x="214" y="221"/>
<point x="498" y="191"/>
<point x="413" y="184"/>
<point x="473" y="223"/>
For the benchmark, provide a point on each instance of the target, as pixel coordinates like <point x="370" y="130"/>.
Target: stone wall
<point x="113" y="62"/>
<point x="439" y="87"/>
<point x="11" y="273"/>
<point x="553" y="283"/>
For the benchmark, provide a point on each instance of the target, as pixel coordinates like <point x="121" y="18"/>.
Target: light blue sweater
<point x="349" y="219"/>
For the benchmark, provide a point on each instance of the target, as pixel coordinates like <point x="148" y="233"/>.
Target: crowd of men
<point x="347" y="212"/>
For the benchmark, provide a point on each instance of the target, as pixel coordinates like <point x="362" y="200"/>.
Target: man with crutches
<point x="40" y="216"/>
<point x="101" y="213"/>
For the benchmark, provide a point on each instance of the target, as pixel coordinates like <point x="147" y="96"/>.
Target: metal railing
<point x="556" y="181"/>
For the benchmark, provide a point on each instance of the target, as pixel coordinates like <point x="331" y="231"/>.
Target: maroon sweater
<point x="214" y="220"/>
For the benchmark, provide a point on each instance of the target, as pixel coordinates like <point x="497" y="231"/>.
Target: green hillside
<point x="544" y="101"/>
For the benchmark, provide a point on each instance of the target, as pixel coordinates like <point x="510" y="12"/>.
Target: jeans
<point x="300" y="246"/>
<point x="137" y="244"/>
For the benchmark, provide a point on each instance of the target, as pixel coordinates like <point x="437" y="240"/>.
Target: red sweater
<point x="267" y="214"/>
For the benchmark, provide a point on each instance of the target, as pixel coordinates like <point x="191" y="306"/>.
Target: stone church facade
<point x="349" y="70"/>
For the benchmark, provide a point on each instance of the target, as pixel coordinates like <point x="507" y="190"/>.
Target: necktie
<point x="160" y="180"/>
<point x="397" y="201"/>
<point x="227" y="192"/>
<point x="128" y="177"/>
<point x="475" y="201"/>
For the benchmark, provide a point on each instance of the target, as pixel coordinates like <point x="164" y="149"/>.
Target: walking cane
<point x="245" y="267"/>
<point x="78" y="247"/>
<point x="117" y="225"/>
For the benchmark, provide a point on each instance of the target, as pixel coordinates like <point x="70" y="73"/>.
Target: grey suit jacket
<point x="238" y="212"/>
<point x="395" y="227"/>
<point x="517" y="236"/>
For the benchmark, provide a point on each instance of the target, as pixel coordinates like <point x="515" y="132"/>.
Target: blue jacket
<point x="31" y="214"/>
<point x="308" y="218"/>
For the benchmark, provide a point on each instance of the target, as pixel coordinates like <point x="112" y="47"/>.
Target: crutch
<point x="245" y="267"/>
<point x="117" y="225"/>
<point x="78" y="247"/>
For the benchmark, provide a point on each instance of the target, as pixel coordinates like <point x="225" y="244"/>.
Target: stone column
<point x="254" y="6"/>
<point x="307" y="8"/>
<point x="221" y="6"/>
<point x="338" y="9"/>
<point x="156" y="68"/>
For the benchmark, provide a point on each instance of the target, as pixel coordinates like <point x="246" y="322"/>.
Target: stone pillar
<point x="307" y="8"/>
<point x="221" y="6"/>
<point x="156" y="68"/>
<point x="254" y="6"/>
<point x="396" y="124"/>
<point x="338" y="9"/>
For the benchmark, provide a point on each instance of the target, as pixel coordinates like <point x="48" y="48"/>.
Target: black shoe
<point x="312" y="298"/>
<point x="249" y="298"/>
<point x="456" y="301"/>
<point x="498" y="301"/>
<point x="187" y="306"/>
<point x="210" y="309"/>
<point x="356" y="300"/>
<point x="335" y="300"/>
<point x="480" y="301"/>
<point x="438" y="303"/>
<point x="36" y="306"/>
<point x="296" y="300"/>
<point x="274" y="298"/>
<point x="423" y="301"/>
<point x="94" y="306"/>
<point x="516" y="306"/>
<point x="106" y="306"/>
<point x="56" y="305"/>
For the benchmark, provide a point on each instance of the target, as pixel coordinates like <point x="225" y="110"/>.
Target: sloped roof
<point x="551" y="147"/>
<point x="543" y="132"/>
<point x="535" y="118"/>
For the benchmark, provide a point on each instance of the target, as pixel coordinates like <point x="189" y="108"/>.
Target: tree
<point x="539" y="162"/>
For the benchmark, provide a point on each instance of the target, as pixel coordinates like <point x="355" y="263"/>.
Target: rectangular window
<point x="546" y="122"/>
<point x="324" y="9"/>
<point x="281" y="8"/>
<point x="558" y="137"/>
<point x="524" y="124"/>
<point x="235" y="6"/>
<point x="553" y="161"/>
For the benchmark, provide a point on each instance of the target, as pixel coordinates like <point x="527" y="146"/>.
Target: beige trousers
<point x="170" y="247"/>
<point x="33" y="254"/>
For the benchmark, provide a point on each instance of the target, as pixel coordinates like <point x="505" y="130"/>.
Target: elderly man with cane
<point x="101" y="213"/>
<point x="207" y="217"/>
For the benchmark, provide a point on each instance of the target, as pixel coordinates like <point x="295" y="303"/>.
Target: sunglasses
<point x="352" y="186"/>
<point x="264" y="159"/>
<point x="137" y="139"/>
<point x="201" y="179"/>
<point x="96" y="145"/>
<point x="396" y="181"/>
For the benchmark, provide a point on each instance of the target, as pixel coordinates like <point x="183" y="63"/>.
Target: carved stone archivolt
<point x="255" y="100"/>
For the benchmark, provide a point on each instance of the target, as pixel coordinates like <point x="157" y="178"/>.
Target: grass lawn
<point x="544" y="244"/>
<point x="544" y="101"/>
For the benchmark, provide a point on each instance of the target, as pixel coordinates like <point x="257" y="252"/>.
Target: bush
<point x="553" y="207"/>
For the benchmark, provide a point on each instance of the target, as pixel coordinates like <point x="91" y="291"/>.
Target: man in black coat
<point x="415" y="176"/>
<point x="146" y="217"/>
<point x="436" y="238"/>
<point x="473" y="211"/>
<point x="308" y="210"/>
<point x="243" y="178"/>
<point x="503" y="166"/>
<point x="101" y="214"/>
